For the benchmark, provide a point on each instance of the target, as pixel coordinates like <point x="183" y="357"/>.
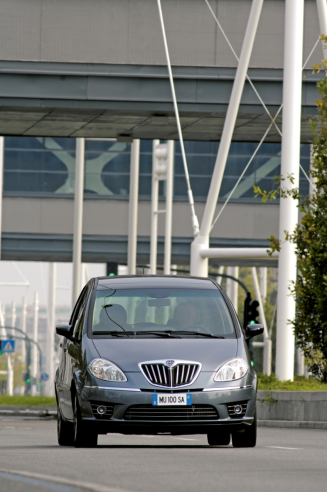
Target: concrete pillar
<point x="78" y="218"/>
<point x="133" y="207"/>
<point x="49" y="385"/>
<point x="263" y="283"/>
<point x="322" y="16"/>
<point x="154" y="208"/>
<point x="169" y="205"/>
<point x="288" y="211"/>
<point x="199" y="265"/>
<point x="232" y="286"/>
<point x="24" y="344"/>
<point x="35" y="352"/>
<point x="2" y="156"/>
<point x="220" y="271"/>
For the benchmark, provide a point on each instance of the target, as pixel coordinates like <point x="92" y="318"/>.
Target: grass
<point x="300" y="383"/>
<point x="27" y="401"/>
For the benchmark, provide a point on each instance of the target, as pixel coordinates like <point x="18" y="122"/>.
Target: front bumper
<point x="122" y="399"/>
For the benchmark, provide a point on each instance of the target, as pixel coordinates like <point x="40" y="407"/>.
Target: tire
<point x="218" y="438"/>
<point x="65" y="431"/>
<point x="83" y="438"/>
<point x="247" y="438"/>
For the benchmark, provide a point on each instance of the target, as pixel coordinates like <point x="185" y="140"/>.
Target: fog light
<point x="101" y="409"/>
<point x="237" y="409"/>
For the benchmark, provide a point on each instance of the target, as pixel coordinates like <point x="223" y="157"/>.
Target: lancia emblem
<point x="170" y="363"/>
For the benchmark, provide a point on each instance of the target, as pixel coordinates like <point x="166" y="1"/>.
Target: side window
<point x="79" y="326"/>
<point x="79" y="308"/>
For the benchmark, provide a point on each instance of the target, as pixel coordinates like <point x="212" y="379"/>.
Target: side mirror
<point x="253" y="331"/>
<point x="64" y="331"/>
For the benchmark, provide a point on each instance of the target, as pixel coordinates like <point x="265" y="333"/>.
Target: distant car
<point x="151" y="355"/>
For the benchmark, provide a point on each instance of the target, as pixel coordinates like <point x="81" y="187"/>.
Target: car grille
<point x="167" y="414"/>
<point x="102" y="416"/>
<point x="231" y="409"/>
<point x="180" y="374"/>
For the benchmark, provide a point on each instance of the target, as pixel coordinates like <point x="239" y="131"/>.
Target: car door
<point x="70" y="352"/>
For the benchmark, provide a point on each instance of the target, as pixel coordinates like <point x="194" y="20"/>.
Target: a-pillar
<point x="288" y="211"/>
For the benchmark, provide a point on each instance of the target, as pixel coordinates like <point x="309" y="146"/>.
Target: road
<point x="284" y="460"/>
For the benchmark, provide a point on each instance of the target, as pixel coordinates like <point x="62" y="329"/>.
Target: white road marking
<point x="279" y="447"/>
<point x="27" y="428"/>
<point x="9" y="427"/>
<point x="184" y="439"/>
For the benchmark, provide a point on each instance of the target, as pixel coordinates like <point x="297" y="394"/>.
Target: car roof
<point x="156" y="281"/>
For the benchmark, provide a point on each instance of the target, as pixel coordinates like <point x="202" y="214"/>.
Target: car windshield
<point x="161" y="313"/>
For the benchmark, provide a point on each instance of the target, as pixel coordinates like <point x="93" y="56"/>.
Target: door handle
<point x="65" y="349"/>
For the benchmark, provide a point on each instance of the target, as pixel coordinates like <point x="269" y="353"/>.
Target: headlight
<point x="106" y="370"/>
<point x="231" y="370"/>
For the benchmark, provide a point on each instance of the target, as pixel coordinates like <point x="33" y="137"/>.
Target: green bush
<point x="300" y="383"/>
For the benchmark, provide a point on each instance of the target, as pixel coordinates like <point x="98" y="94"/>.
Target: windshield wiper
<point x="164" y="334"/>
<point x="112" y="332"/>
<point x="199" y="333"/>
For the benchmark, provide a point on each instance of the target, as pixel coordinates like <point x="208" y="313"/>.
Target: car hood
<point x="127" y="354"/>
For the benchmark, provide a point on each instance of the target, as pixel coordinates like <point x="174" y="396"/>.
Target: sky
<point x="36" y="275"/>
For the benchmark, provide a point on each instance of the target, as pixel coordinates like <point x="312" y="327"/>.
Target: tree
<point x="310" y="239"/>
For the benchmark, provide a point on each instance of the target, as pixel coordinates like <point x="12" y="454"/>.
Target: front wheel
<point x="83" y="438"/>
<point x="247" y="438"/>
<point x="65" y="431"/>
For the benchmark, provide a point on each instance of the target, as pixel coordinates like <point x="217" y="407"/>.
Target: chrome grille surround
<point x="168" y="373"/>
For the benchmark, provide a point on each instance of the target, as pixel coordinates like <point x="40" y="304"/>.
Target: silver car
<point x="153" y="355"/>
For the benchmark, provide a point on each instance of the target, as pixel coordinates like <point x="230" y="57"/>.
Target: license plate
<point x="177" y="399"/>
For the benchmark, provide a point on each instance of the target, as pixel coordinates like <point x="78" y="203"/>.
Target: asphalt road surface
<point x="283" y="460"/>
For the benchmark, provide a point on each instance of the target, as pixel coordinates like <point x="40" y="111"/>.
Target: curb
<point x="37" y="413"/>
<point x="293" y="424"/>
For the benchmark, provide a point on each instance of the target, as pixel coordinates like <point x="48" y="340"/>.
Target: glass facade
<point x="40" y="166"/>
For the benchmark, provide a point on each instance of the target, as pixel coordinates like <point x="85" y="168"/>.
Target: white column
<point x="154" y="208"/>
<point x="24" y="347"/>
<point x="13" y="315"/>
<point x="49" y="386"/>
<point x="78" y="218"/>
<point x="169" y="205"/>
<point x="232" y="286"/>
<point x="10" y="376"/>
<point x="199" y="265"/>
<point x="267" y="342"/>
<point x="35" y="352"/>
<point x="299" y="362"/>
<point x="288" y="211"/>
<point x="263" y="283"/>
<point x="133" y="205"/>
<point x="322" y="15"/>
<point x="220" y="271"/>
<point x="2" y="155"/>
